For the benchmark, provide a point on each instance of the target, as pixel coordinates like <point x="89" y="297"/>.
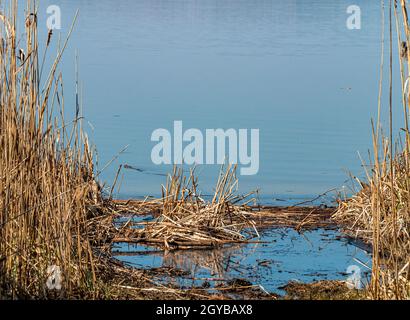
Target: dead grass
<point x="188" y="221"/>
<point x="380" y="212"/>
<point x="322" y="290"/>
<point x="48" y="189"/>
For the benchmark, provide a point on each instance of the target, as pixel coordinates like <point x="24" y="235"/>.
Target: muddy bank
<point x="322" y="290"/>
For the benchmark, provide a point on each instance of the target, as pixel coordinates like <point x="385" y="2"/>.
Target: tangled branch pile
<point x="186" y="220"/>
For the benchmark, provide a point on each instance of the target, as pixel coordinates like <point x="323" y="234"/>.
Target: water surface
<point x="283" y="256"/>
<point x="290" y="68"/>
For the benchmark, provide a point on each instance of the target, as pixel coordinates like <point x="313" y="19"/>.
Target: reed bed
<point x="381" y="217"/>
<point x="187" y="221"/>
<point x="48" y="188"/>
<point x="380" y="212"/>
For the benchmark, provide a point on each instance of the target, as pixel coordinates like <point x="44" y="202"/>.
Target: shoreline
<point x="299" y="219"/>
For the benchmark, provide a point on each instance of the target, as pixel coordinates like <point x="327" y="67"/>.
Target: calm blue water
<point x="290" y="68"/>
<point x="285" y="256"/>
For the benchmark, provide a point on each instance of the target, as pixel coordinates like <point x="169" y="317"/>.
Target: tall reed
<point x="46" y="171"/>
<point x="380" y="212"/>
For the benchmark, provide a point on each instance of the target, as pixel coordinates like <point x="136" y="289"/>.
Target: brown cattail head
<point x="22" y="55"/>
<point x="403" y="50"/>
<point x="31" y="18"/>
<point x="50" y="33"/>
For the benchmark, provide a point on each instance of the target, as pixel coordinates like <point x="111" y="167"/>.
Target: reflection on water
<point x="217" y="263"/>
<point x="290" y="68"/>
<point x="283" y="255"/>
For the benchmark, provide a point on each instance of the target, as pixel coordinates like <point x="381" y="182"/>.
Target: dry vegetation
<point x="52" y="213"/>
<point x="322" y="290"/>
<point x="184" y="220"/>
<point x="51" y="209"/>
<point x="47" y="182"/>
<point x="188" y="221"/>
<point x="380" y="212"/>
